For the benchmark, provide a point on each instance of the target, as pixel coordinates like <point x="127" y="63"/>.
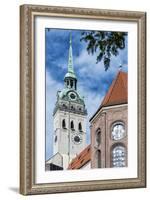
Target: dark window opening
<point x="72" y="125"/>
<point x="80" y="127"/>
<point x="56" y="138"/>
<point x="64" y="124"/>
<point x="71" y="83"/>
<point x="75" y="85"/>
<point x="72" y="108"/>
<point x="98" y="158"/>
<point x="64" y="106"/>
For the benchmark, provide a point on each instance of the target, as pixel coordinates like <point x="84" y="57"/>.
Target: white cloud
<point x="86" y="64"/>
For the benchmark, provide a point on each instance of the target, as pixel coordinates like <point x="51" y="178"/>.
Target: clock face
<point x="77" y="139"/>
<point x="118" y="131"/>
<point x="72" y="96"/>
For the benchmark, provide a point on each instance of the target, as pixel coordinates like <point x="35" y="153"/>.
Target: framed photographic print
<point x="82" y="99"/>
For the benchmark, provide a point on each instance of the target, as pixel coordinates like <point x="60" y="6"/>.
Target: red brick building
<point x="109" y="127"/>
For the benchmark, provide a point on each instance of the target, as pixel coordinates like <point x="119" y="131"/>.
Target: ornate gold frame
<point x="27" y="99"/>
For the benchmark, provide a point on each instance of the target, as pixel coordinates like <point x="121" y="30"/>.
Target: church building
<point x="109" y="127"/>
<point x="69" y="121"/>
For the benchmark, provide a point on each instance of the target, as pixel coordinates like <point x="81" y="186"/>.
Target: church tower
<point x="69" y="118"/>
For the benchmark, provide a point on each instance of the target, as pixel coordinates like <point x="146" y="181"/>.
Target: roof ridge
<point x="113" y="86"/>
<point x="123" y="79"/>
<point x="110" y="90"/>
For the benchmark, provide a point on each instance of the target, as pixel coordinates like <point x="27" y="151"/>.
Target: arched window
<point x="63" y="124"/>
<point x="72" y="108"/>
<point x="64" y="106"/>
<point x="72" y="125"/>
<point x="119" y="156"/>
<point x="97" y="137"/>
<point x="98" y="158"/>
<point x="80" y="127"/>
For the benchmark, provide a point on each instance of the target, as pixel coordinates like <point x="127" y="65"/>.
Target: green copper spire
<point x="69" y="94"/>
<point x="70" y="72"/>
<point x="70" y="60"/>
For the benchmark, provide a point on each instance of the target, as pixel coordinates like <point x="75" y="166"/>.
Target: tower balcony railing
<point x="70" y="110"/>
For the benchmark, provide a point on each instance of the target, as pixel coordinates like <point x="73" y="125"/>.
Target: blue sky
<point x="93" y="80"/>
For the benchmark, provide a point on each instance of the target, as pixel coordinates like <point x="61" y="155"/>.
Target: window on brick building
<point x="119" y="156"/>
<point x="98" y="137"/>
<point x="98" y="158"/>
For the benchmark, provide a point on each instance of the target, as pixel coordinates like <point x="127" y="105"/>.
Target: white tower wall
<point x="65" y="144"/>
